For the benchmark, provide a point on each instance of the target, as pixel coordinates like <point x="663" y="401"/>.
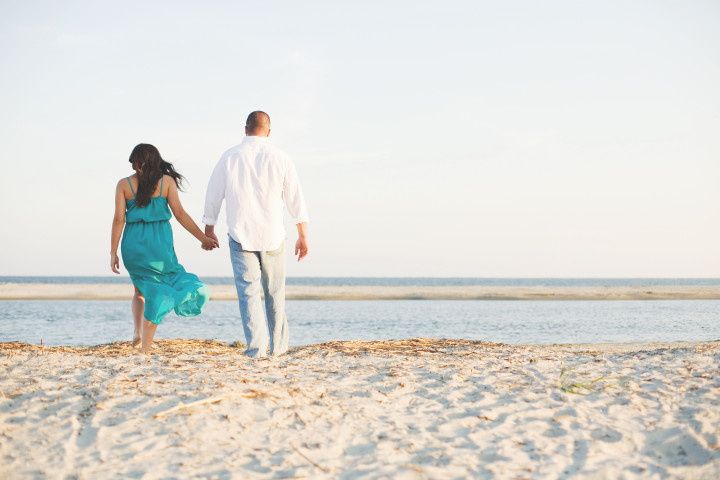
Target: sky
<point x="455" y="138"/>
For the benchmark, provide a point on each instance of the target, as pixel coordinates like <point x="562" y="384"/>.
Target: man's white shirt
<point x="255" y="179"/>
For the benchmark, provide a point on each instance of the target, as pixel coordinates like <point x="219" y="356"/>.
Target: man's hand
<point x="301" y="248"/>
<point x="208" y="243"/>
<point x="210" y="232"/>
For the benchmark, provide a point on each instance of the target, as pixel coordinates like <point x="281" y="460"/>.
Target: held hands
<point x="114" y="263"/>
<point x="210" y="242"/>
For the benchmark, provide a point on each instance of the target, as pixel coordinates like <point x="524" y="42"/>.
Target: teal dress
<point x="149" y="257"/>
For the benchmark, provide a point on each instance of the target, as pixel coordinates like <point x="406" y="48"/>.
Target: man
<point x="255" y="178"/>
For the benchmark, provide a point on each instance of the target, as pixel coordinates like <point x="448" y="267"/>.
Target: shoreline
<point x="393" y="346"/>
<point x="42" y="291"/>
<point x="417" y="408"/>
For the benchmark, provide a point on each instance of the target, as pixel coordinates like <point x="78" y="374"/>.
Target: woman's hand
<point x="208" y="243"/>
<point x="114" y="263"/>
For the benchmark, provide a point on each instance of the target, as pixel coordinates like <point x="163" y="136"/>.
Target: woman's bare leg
<point x="148" y="332"/>
<point x="138" y="308"/>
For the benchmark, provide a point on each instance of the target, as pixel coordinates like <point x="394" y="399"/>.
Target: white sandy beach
<point x="96" y="291"/>
<point x="393" y="409"/>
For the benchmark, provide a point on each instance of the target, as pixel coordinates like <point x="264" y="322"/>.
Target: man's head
<point x="258" y="124"/>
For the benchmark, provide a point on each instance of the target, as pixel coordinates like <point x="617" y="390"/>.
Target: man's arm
<point x="295" y="202"/>
<point x="293" y="196"/>
<point x="214" y="197"/>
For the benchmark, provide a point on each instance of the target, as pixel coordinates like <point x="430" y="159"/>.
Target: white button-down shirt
<point x="255" y="178"/>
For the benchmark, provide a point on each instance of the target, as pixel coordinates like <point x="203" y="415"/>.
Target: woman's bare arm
<point x="186" y="220"/>
<point x="118" y="224"/>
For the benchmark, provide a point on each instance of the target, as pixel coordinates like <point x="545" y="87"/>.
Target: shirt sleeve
<point x="293" y="196"/>
<point x="215" y="193"/>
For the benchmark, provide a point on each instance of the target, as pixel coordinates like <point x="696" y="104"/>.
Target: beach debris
<point x="313" y="462"/>
<point x="573" y="385"/>
<point x="182" y="406"/>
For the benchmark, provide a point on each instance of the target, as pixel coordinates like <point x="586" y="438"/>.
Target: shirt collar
<point x="255" y="138"/>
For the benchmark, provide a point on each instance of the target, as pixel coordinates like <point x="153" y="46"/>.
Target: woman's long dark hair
<point x="150" y="168"/>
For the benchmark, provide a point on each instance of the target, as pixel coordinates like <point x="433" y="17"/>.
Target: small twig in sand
<point x="182" y="406"/>
<point x="324" y="469"/>
<point x="252" y="393"/>
<point x="300" y="418"/>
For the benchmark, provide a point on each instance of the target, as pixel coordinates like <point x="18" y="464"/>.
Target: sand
<point x="40" y="291"/>
<point x="393" y="409"/>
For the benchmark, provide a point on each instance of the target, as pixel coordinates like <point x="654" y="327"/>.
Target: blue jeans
<point x="259" y="274"/>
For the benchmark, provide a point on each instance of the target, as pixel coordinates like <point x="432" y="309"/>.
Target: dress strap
<point x="131" y="187"/>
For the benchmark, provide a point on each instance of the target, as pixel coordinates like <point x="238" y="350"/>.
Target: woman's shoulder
<point x="168" y="179"/>
<point x="123" y="182"/>
<point x="168" y="183"/>
<point x="128" y="185"/>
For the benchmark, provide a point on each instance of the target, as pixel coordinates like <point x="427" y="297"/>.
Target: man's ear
<point x="269" y="130"/>
<point x="246" y="131"/>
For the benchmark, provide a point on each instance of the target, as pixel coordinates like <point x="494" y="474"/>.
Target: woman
<point x="141" y="206"/>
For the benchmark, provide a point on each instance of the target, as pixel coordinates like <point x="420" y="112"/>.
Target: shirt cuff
<point x="209" y="220"/>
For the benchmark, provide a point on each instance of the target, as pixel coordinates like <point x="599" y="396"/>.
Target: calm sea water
<point x="71" y="322"/>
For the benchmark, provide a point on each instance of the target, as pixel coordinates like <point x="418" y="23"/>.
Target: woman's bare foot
<point x="136" y="340"/>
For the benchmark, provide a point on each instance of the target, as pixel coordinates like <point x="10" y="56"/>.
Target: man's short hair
<point x="257" y="120"/>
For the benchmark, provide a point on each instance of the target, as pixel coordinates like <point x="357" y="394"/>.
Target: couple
<point x="254" y="179"/>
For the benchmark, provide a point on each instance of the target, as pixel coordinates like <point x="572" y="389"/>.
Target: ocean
<point x="74" y="322"/>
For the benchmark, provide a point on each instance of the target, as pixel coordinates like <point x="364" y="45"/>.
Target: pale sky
<point x="477" y="138"/>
